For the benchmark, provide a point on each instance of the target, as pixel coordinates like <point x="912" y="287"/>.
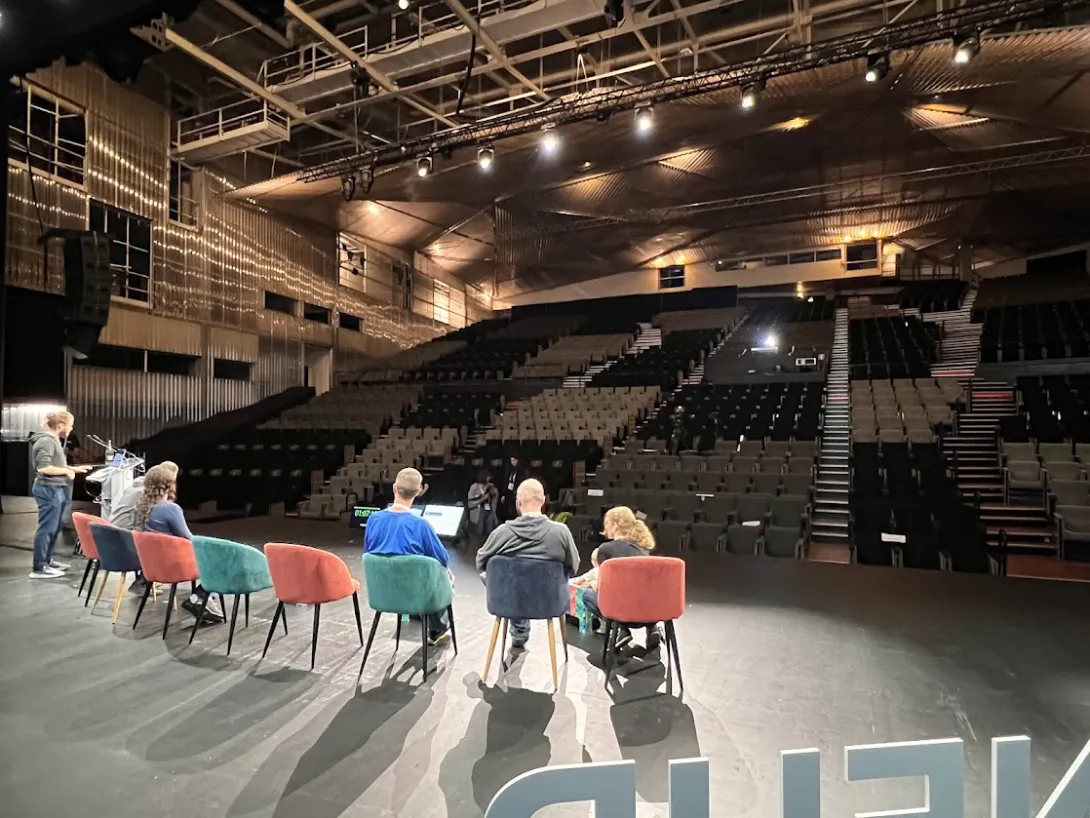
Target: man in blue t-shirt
<point x="398" y="531"/>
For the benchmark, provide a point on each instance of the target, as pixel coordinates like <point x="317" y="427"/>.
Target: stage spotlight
<point x="770" y="342"/>
<point x="403" y="4"/>
<point x="966" y="46"/>
<point x="348" y="188"/>
<point x="645" y="119"/>
<point x="550" y="139"/>
<point x="877" y="67"/>
<point x="751" y="93"/>
<point x="423" y="166"/>
<point x="485" y="156"/>
<point x="614" y="12"/>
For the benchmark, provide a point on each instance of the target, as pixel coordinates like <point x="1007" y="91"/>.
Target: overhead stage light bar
<point x="899" y="36"/>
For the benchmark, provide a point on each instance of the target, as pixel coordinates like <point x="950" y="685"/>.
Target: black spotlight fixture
<point x="751" y="93"/>
<point x="485" y="157"/>
<point x="614" y="12"/>
<point x="348" y="188"/>
<point x="877" y="67"/>
<point x="361" y="80"/>
<point x="966" y="46"/>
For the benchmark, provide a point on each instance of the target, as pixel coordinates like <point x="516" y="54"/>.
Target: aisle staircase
<point x="973" y="450"/>
<point x="830" y="518"/>
<point x="959" y="350"/>
<point x="646" y="338"/>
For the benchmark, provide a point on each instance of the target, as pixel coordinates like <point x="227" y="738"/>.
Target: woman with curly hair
<point x="628" y="536"/>
<point x="157" y="511"/>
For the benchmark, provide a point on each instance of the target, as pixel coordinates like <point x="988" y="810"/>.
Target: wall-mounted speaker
<point x="88" y="282"/>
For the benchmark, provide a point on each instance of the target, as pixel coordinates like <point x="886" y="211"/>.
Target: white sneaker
<point x="60" y="566"/>
<point x="48" y="572"/>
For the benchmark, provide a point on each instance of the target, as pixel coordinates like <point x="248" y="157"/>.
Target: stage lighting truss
<point x="946" y="25"/>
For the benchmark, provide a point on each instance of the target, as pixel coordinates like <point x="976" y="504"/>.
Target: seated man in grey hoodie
<point x="533" y="536"/>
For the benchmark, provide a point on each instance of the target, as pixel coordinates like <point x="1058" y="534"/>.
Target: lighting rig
<point x="961" y="26"/>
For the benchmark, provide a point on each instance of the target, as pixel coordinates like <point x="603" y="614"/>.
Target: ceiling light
<point x="403" y="4"/>
<point x="751" y="93"/>
<point x="485" y="156"/>
<point x="877" y="67"/>
<point x="966" y="46"/>
<point x="423" y="166"/>
<point x="550" y="139"/>
<point x="645" y="119"/>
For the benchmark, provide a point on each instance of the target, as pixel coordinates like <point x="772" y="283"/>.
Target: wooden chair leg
<point x="314" y="636"/>
<point x="143" y="602"/>
<point x="272" y="627"/>
<point x="552" y="652"/>
<point x="101" y="588"/>
<point x="491" y="648"/>
<point x="120" y="594"/>
<point x="172" y="605"/>
<point x="563" y="628"/>
<point x="371" y="637"/>
<point x="234" y="620"/>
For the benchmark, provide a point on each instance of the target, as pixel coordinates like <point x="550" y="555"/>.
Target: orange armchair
<point x="308" y="576"/>
<point x="165" y="559"/>
<point x="82" y="523"/>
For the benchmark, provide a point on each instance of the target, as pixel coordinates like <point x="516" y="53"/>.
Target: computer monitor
<point x="119" y="458"/>
<point x="444" y="520"/>
<point x="360" y="515"/>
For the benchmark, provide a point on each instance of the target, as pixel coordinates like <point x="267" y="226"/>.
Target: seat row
<point x="891" y="347"/>
<point x="1052" y="408"/>
<point x="1054" y="330"/>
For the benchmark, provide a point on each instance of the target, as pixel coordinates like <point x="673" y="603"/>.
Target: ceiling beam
<point x="380" y="78"/>
<point x="255" y="22"/>
<point x="493" y="48"/>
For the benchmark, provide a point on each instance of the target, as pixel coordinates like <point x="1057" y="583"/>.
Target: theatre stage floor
<point x="114" y="722"/>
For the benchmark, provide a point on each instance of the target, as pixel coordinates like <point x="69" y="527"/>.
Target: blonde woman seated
<point x="628" y="537"/>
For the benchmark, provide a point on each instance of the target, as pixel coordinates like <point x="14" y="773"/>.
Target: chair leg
<point x="424" y="640"/>
<point x="272" y="627"/>
<point x="503" y="647"/>
<point x="314" y="637"/>
<point x="234" y="620"/>
<point x="91" y="587"/>
<point x="120" y="594"/>
<point x="200" y="616"/>
<point x="101" y="588"/>
<point x="284" y="620"/>
<point x="356" y="608"/>
<point x="371" y="637"/>
<point x="453" y="635"/>
<point x="86" y="573"/>
<point x="247" y="610"/>
<point x="397" y="633"/>
<point x="563" y="628"/>
<point x="671" y="638"/>
<point x="223" y="605"/>
<point x="552" y="652"/>
<point x="143" y="602"/>
<point x="605" y="646"/>
<point x="491" y="648"/>
<point x="611" y="644"/>
<point x="170" y="608"/>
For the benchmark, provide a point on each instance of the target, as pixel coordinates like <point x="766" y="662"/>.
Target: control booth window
<point x="47" y="135"/>
<point x="130" y="249"/>
<point x="672" y="278"/>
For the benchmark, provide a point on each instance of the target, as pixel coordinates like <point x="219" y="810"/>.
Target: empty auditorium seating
<point x="488" y="358"/>
<point x="350" y="406"/>
<point x="891" y="347"/>
<point x="1033" y="288"/>
<point x="668" y="322"/>
<point x="1053" y="408"/>
<point x="572" y="354"/>
<point x="598" y="414"/>
<point x="933" y="296"/>
<point x="394" y="367"/>
<point x="816" y="308"/>
<point x="1031" y="332"/>
<point x="893" y="411"/>
<point x="662" y="366"/>
<point x="699" y="415"/>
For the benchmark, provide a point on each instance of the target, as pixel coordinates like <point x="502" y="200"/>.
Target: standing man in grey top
<point x="52" y="476"/>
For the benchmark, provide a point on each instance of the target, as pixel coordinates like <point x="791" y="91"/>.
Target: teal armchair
<point x="228" y="567"/>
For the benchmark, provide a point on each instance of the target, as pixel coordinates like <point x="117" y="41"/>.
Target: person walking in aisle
<point x="52" y="478"/>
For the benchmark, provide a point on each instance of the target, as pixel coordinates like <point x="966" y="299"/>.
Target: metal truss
<point x="599" y="104"/>
<point x="667" y="215"/>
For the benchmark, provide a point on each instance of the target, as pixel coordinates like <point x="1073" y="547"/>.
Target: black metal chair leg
<point x="223" y="605"/>
<point x="671" y="637"/>
<point x="397" y="633"/>
<point x="371" y="638"/>
<point x="284" y="619"/>
<point x="605" y="646"/>
<point x="200" y="616"/>
<point x="356" y="607"/>
<point x="91" y="590"/>
<point x="234" y="619"/>
<point x="314" y="638"/>
<point x="247" y="610"/>
<point x="611" y="645"/>
<point x="86" y="573"/>
<point x="170" y="608"/>
<point x="143" y="602"/>
<point x="424" y="640"/>
<point x="272" y="628"/>
<point x="453" y="634"/>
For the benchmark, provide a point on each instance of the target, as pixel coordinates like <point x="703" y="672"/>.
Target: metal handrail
<point x="223" y="121"/>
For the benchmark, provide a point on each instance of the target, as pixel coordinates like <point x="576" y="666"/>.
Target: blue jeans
<point x="52" y="501"/>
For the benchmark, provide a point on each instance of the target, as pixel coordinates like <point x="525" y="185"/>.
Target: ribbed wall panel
<point x="210" y="279"/>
